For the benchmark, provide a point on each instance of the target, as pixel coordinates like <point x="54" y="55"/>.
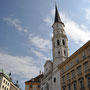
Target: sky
<point x="26" y="32"/>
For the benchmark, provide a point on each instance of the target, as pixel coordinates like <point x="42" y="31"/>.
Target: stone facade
<point x="51" y="79"/>
<point x="75" y="71"/>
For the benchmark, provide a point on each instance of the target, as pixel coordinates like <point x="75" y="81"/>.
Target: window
<point x="41" y="88"/>
<point x="77" y="60"/>
<point x="62" y="70"/>
<point x="30" y="86"/>
<point x="58" y="42"/>
<point x="86" y="66"/>
<point x="38" y="86"/>
<point x="64" y="52"/>
<point x="63" y="88"/>
<point x="69" y="87"/>
<point x="63" y="42"/>
<point x="58" y="52"/>
<point x="89" y="50"/>
<point x="4" y="81"/>
<point x="3" y="87"/>
<point x="71" y="64"/>
<point x="81" y="83"/>
<point x="84" y="55"/>
<point x="74" y="86"/>
<point x="88" y="80"/>
<point x="73" y="73"/>
<point x="63" y="79"/>
<point x="54" y="80"/>
<point x="68" y="76"/>
<point x="79" y="70"/>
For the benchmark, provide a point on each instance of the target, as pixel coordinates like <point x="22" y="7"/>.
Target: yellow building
<point x="4" y="81"/>
<point x="33" y="84"/>
<point x="14" y="87"/>
<point x="75" y="71"/>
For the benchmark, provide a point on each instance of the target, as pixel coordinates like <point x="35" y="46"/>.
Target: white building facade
<point x="51" y="79"/>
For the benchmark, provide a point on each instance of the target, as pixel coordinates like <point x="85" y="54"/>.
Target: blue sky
<point x="25" y="33"/>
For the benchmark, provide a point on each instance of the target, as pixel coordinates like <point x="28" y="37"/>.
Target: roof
<point x="47" y="61"/>
<point x="57" y="16"/>
<point x="2" y="73"/>
<point x="36" y="79"/>
<point x="74" y="54"/>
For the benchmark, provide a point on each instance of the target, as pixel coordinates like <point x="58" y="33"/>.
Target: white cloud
<point x="14" y="22"/>
<point x="39" y="54"/>
<point x="48" y="20"/>
<point x="88" y="14"/>
<point x="19" y="65"/>
<point x="25" y="30"/>
<point x="78" y="33"/>
<point x="39" y="42"/>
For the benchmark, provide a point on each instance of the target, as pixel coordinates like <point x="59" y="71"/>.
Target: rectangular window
<point x="88" y="80"/>
<point x="63" y="79"/>
<point x="84" y="55"/>
<point x="79" y="70"/>
<point x="77" y="60"/>
<point x="86" y="66"/>
<point x="68" y="76"/>
<point x="30" y="86"/>
<point x="73" y="73"/>
<point x="81" y="83"/>
<point x="74" y="86"/>
<point x="38" y="86"/>
<point x="69" y="87"/>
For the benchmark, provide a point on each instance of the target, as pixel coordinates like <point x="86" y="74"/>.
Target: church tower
<point x="59" y="41"/>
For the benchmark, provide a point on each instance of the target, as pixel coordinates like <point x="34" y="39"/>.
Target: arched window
<point x="63" y="41"/>
<point x="58" y="42"/>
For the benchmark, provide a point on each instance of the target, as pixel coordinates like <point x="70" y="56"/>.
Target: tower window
<point x="64" y="52"/>
<point x="54" y="80"/>
<point x="58" y="52"/>
<point x="63" y="42"/>
<point x="58" y="42"/>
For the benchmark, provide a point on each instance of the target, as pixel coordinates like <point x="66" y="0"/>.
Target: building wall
<point x="13" y="87"/>
<point x="76" y="70"/>
<point x="32" y="86"/>
<point x="5" y="84"/>
<point x="56" y="80"/>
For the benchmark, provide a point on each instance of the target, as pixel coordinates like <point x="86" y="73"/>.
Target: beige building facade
<point x="34" y="83"/>
<point x="75" y="71"/>
<point x="14" y="87"/>
<point x="4" y="81"/>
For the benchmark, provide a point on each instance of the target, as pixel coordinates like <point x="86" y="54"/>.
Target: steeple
<point x="59" y="41"/>
<point x="57" y="17"/>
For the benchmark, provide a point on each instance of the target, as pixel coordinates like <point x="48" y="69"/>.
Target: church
<point x="60" y="50"/>
<point x="64" y="72"/>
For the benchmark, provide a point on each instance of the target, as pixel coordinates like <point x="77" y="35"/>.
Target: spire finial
<point x="57" y="17"/>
